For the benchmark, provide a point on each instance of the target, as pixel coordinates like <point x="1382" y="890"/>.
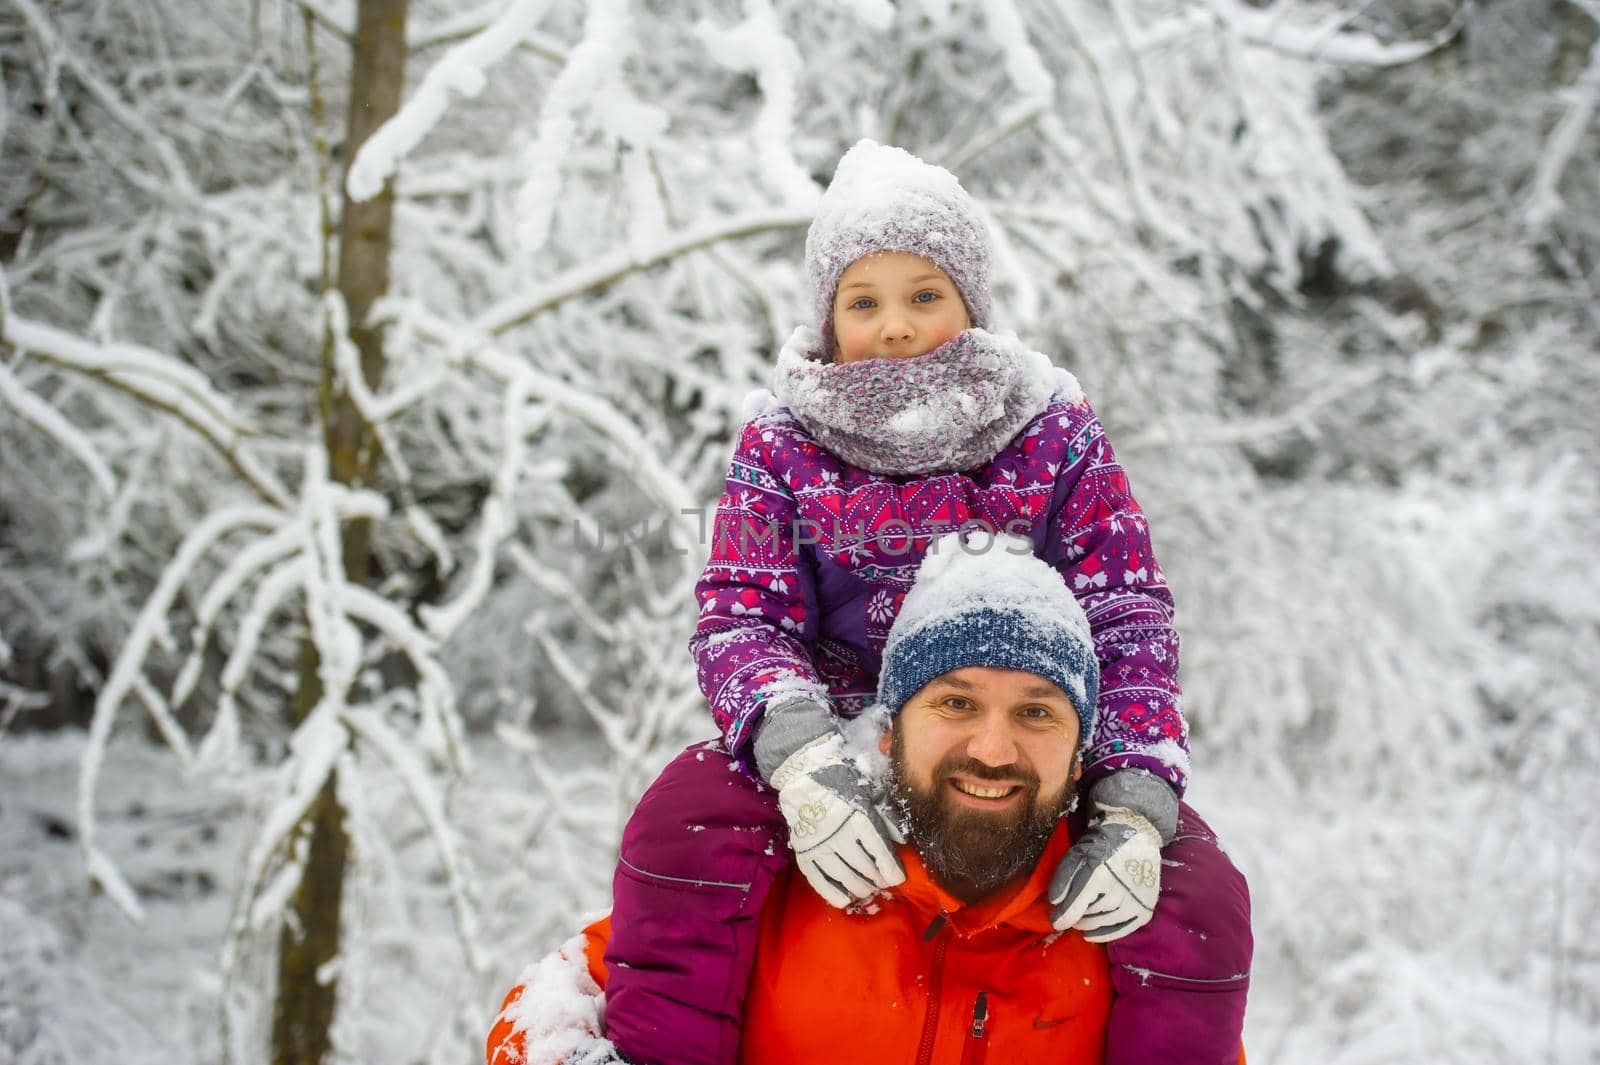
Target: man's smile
<point x="985" y="792"/>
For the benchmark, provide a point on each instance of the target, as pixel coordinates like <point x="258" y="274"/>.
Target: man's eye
<point x="1037" y="713"/>
<point x="955" y="702"/>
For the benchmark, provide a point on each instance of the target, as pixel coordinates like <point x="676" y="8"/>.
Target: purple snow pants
<point x="705" y="844"/>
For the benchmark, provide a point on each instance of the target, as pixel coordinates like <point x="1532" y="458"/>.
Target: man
<point x="989" y="678"/>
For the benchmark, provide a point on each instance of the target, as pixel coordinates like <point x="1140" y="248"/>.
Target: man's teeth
<point x="982" y="792"/>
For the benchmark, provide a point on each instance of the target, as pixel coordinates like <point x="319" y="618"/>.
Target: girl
<point x="899" y="418"/>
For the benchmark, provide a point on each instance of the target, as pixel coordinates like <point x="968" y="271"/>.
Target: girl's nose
<point x="896" y="327"/>
<point x="992" y="743"/>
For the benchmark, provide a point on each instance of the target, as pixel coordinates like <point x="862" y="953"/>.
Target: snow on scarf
<point x="948" y="410"/>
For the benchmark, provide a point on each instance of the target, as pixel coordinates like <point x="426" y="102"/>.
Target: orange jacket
<point x="924" y="979"/>
<point x="920" y="978"/>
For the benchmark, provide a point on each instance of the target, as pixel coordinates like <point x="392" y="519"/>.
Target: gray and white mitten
<point x="1107" y="885"/>
<point x="841" y="841"/>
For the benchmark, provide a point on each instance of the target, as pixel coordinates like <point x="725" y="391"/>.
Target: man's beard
<point x="971" y="852"/>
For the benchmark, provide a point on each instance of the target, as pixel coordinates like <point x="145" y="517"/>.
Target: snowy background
<point x="1326" y="269"/>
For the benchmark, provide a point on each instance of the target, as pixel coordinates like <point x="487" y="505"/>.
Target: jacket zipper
<point x="939" y="932"/>
<point x="978" y="1034"/>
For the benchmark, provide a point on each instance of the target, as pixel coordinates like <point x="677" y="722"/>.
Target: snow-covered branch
<point x="760" y="46"/>
<point x="61" y="57"/>
<point x="554" y="584"/>
<point x="586" y="81"/>
<point x="42" y="416"/>
<point x="400" y="756"/>
<point x="314" y="10"/>
<point x="1237" y="432"/>
<point x="606" y="270"/>
<point x="271" y="592"/>
<point x="246" y="564"/>
<point x="1543" y="199"/>
<point x="1327" y="43"/>
<point x="498" y="519"/>
<point x="460" y="72"/>
<point x="453" y="28"/>
<point x="127" y="673"/>
<point x="458" y="26"/>
<point x="638" y="461"/>
<point x="160" y="382"/>
<point x="435" y="693"/>
<point x="1114" y="122"/>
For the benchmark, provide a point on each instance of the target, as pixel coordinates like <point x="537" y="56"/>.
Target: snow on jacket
<point x="915" y="976"/>
<point x="811" y="558"/>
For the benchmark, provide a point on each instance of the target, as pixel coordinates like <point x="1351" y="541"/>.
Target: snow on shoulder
<point x="1040" y="374"/>
<point x="757" y="401"/>
<point x="558" y="1011"/>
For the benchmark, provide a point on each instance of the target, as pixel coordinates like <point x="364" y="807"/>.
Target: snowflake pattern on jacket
<point x="811" y="559"/>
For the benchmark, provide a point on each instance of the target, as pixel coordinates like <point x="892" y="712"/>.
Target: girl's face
<point x="894" y="305"/>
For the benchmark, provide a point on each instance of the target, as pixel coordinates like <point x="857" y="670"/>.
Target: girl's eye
<point x="925" y="296"/>
<point x="862" y="304"/>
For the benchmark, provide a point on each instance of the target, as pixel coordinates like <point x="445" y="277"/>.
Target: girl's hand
<point x="842" y="842"/>
<point x="1108" y="883"/>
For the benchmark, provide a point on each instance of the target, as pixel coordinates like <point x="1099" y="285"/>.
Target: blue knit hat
<point x="987" y="601"/>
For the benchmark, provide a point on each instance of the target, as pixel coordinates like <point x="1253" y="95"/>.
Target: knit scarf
<point x="948" y="410"/>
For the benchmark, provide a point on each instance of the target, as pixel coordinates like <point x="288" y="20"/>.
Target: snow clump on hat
<point x="989" y="601"/>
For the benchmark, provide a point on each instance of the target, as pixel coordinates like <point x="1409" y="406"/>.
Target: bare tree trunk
<point x="307" y="990"/>
<point x="302" y="1016"/>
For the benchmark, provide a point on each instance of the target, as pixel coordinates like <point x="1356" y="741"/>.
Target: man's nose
<point x="993" y="743"/>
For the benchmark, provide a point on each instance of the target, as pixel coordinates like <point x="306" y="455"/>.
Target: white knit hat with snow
<point x="988" y="601"/>
<point x="886" y="199"/>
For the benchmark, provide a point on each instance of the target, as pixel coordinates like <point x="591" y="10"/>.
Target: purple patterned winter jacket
<point x="811" y="558"/>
